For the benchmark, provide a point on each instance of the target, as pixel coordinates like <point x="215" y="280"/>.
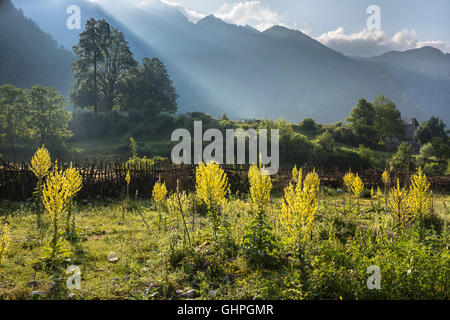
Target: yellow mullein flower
<point x="74" y="184"/>
<point x="299" y="204"/>
<point x="260" y="188"/>
<point x="385" y="177"/>
<point x="40" y="166"/>
<point x="398" y="201"/>
<point x="56" y="193"/>
<point x="4" y="245"/>
<point x="159" y="191"/>
<point x="211" y="184"/>
<point x="41" y="163"/>
<point x="74" y="180"/>
<point x="348" y="180"/>
<point x="128" y="177"/>
<point x="419" y="199"/>
<point x="357" y="186"/>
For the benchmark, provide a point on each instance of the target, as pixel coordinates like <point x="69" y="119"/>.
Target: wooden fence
<point x="107" y="179"/>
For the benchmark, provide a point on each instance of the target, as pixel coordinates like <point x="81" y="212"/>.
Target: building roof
<point x="410" y="122"/>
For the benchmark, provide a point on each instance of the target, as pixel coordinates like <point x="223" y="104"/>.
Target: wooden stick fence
<point x="107" y="179"/>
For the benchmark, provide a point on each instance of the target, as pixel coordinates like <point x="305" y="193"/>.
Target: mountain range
<point x="220" y="67"/>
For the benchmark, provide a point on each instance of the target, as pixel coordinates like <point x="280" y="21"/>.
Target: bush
<point x="403" y="161"/>
<point x="427" y="150"/>
<point x="435" y="168"/>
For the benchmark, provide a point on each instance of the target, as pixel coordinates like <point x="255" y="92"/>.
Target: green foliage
<point x="309" y="126"/>
<point x="388" y="122"/>
<point x="38" y="116"/>
<point x="366" y="154"/>
<point x="49" y="116"/>
<point x="402" y="161"/>
<point x="148" y="90"/>
<point x="427" y="150"/>
<point x="14" y="115"/>
<point x="377" y="123"/>
<point x="259" y="245"/>
<point x="326" y="141"/>
<point x="441" y="148"/>
<point x="135" y="162"/>
<point x="157" y="264"/>
<point x="435" y="168"/>
<point x="104" y="61"/>
<point x="427" y="130"/>
<point x="362" y="120"/>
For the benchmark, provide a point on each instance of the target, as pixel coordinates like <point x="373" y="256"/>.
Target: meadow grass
<point x="156" y="261"/>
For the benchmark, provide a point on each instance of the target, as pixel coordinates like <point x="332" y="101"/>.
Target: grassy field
<point x="130" y="250"/>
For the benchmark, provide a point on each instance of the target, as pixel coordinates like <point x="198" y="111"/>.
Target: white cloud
<point x="253" y="13"/>
<point x="368" y="43"/>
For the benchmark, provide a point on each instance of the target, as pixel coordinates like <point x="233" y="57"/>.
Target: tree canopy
<point x="430" y="129"/>
<point x="149" y="90"/>
<point x="104" y="61"/>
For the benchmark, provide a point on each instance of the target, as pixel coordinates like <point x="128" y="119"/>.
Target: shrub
<point x="403" y="161"/>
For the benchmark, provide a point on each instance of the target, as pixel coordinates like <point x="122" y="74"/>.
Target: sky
<point x="339" y="24"/>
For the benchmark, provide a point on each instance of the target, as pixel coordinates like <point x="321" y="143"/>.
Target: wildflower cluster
<point x="357" y="186"/>
<point x="385" y="177"/>
<point x="414" y="203"/>
<point x="75" y="182"/>
<point x="353" y="183"/>
<point x="420" y="195"/>
<point x="41" y="163"/>
<point x="40" y="166"/>
<point x="260" y="188"/>
<point x="211" y="184"/>
<point x="259" y="243"/>
<point x="300" y="203"/>
<point x="398" y="197"/>
<point x="58" y="192"/>
<point x="159" y="192"/>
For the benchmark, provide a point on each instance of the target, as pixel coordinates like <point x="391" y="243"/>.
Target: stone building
<point x="409" y="127"/>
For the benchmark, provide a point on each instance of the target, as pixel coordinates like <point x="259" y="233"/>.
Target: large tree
<point x="104" y="61"/>
<point x="14" y="115"/>
<point x="362" y="120"/>
<point x="149" y="90"/>
<point x="49" y="119"/>
<point x="388" y="120"/>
